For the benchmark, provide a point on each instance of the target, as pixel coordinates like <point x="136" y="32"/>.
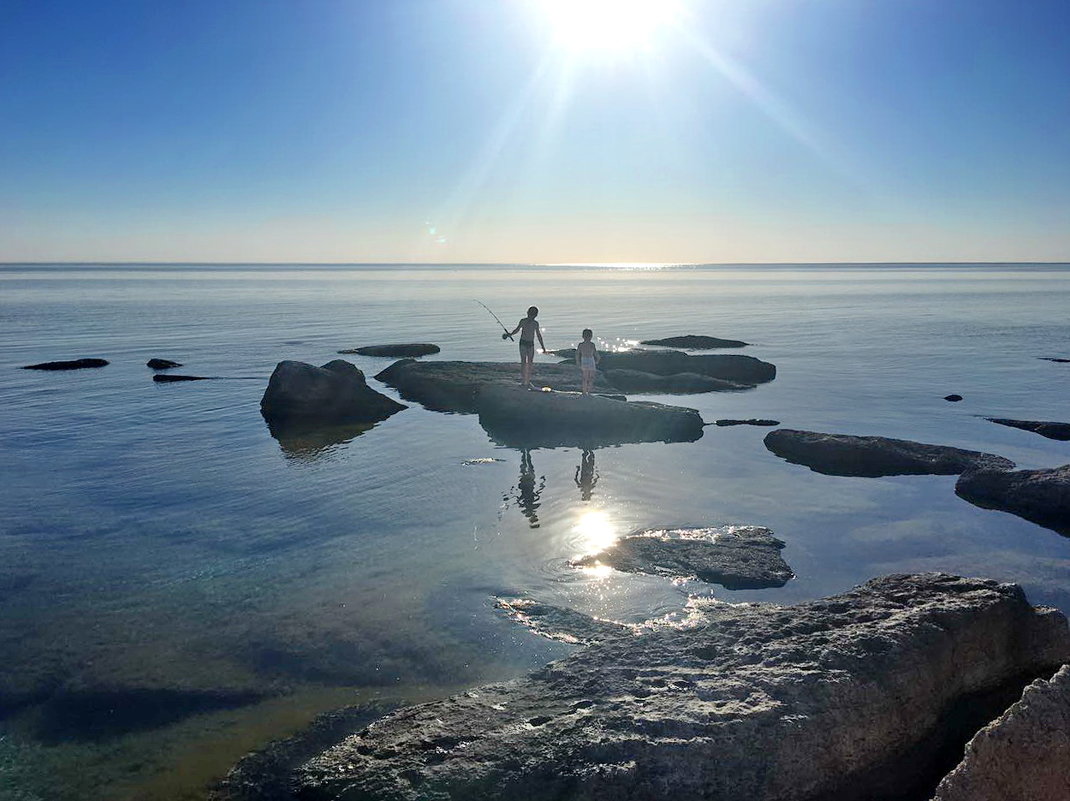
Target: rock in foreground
<point x="695" y="342"/>
<point x="675" y="384"/>
<point x="527" y="418"/>
<point x="837" y="698"/>
<point x="1059" y="431"/>
<point x="1042" y="496"/>
<point x="1023" y="756"/>
<point x="847" y="455"/>
<point x="736" y="557"/>
<point x="398" y="351"/>
<point x="302" y="394"/>
<point x="74" y="364"/>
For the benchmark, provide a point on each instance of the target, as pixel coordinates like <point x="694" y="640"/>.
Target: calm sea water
<point x="177" y="587"/>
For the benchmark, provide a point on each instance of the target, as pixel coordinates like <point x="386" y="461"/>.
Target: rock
<point x="836" y="698"/>
<point x="1054" y="359"/>
<point x="398" y="351"/>
<point x="335" y="393"/>
<point x="524" y="418"/>
<point x="76" y="364"/>
<point x="557" y="623"/>
<point x="678" y="383"/>
<point x="1059" y="431"/>
<point x="846" y="455"/>
<point x="736" y="557"/>
<point x="1022" y="756"/>
<point x="161" y="364"/>
<point x="739" y="369"/>
<point x="695" y="342"/>
<point x="953" y="398"/>
<point x="165" y="378"/>
<point x="454" y="386"/>
<point x="1042" y="496"/>
<point x="753" y="421"/>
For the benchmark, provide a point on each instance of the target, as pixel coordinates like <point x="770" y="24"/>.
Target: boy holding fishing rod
<point x="529" y="330"/>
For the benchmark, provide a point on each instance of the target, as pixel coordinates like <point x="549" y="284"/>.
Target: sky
<point x="534" y="131"/>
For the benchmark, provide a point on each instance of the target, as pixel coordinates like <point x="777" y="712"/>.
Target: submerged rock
<point x="1042" y="496"/>
<point x="677" y="383"/>
<point x="525" y="418"/>
<point x="739" y="369"/>
<point x="953" y="398"/>
<point x="74" y="364"/>
<point x="1059" y="431"/>
<point x="558" y="623"/>
<point x="300" y="393"/>
<point x="161" y="364"/>
<point x="1022" y="756"/>
<point x="401" y="350"/>
<point x="455" y="386"/>
<point x="736" y="557"/>
<point x="846" y="698"/>
<point x="847" y="455"/>
<point x="695" y="342"/>
<point x="753" y="421"/>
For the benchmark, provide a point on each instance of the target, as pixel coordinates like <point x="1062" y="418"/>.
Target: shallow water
<point x="177" y="586"/>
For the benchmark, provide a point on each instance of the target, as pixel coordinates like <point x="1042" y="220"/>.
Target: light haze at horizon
<point x="465" y="131"/>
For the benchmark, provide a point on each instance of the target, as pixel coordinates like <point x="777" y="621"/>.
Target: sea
<point x="178" y="587"/>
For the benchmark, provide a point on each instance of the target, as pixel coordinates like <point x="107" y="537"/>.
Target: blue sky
<point x="467" y="130"/>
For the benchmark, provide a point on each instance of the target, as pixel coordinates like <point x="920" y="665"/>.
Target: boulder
<point x="74" y="364"/>
<point x="846" y="455"/>
<point x="695" y="342"/>
<point x="335" y="393"/>
<point x="753" y="421"/>
<point x="1042" y="496"/>
<point x="1059" y="431"/>
<point x="847" y="697"/>
<point x="739" y="369"/>
<point x="1022" y="756"/>
<point x="398" y="351"/>
<point x="678" y="383"/>
<point x="161" y="364"/>
<point x="454" y="386"/>
<point x="525" y="418"/>
<point x="736" y="557"/>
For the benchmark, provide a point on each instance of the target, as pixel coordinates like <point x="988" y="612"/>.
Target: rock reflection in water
<point x="308" y="443"/>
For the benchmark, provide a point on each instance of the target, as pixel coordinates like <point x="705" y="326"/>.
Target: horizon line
<point x="514" y="263"/>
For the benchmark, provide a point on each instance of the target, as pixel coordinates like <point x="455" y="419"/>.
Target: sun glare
<point x="608" y="25"/>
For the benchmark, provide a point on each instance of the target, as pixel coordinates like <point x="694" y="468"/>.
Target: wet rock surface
<point x="695" y="342"/>
<point x="735" y="368"/>
<point x="736" y="557"/>
<point x="848" y="455"/>
<point x="455" y="386"/>
<point x="526" y="418"/>
<point x="677" y="383"/>
<point x="73" y="364"/>
<point x="753" y="421"/>
<point x="162" y="364"/>
<point x="846" y="697"/>
<point x="398" y="351"/>
<point x="301" y="394"/>
<point x="559" y="623"/>
<point x="1051" y="430"/>
<point x="1022" y="756"/>
<point x="1042" y="496"/>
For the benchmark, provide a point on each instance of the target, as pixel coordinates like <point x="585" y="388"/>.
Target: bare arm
<point x="538" y="333"/>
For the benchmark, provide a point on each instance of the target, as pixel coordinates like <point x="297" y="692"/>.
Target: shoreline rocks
<point x="1051" y="430"/>
<point x="695" y="342"/>
<point x="735" y="368"/>
<point x="848" y="455"/>
<point x="302" y="394"/>
<point x="73" y="364"/>
<point x="558" y="623"/>
<point x="398" y="350"/>
<point x="675" y="384"/>
<point x="1041" y="496"/>
<point x="848" y="697"/>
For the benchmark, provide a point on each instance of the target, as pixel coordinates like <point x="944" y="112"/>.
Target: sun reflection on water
<point x="594" y="532"/>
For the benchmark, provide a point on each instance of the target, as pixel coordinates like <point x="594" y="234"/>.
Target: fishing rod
<point x="492" y="314"/>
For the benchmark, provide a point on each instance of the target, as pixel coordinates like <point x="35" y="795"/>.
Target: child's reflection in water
<point x="586" y="475"/>
<point x="528" y="490"/>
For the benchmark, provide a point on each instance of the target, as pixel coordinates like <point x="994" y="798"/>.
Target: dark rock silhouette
<point x="161" y="364"/>
<point x="74" y="364"/>
<point x="400" y="350"/>
<point x="736" y="368"/>
<point x="849" y="697"/>
<point x="736" y="557"/>
<point x="695" y="342"/>
<point x="166" y="378"/>
<point x="953" y="398"/>
<point x="1042" y="496"/>
<point x="1059" y="431"/>
<point x="677" y="383"/>
<point x="1054" y="359"/>
<point x="299" y="394"/>
<point x="753" y="421"/>
<point x="847" y="455"/>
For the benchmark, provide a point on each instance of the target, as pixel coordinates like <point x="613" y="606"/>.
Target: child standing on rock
<point x="587" y="358"/>
<point x="529" y="329"/>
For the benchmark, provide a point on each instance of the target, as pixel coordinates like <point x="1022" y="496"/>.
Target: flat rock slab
<point x="398" y="351"/>
<point x="675" y="384"/>
<point x="1042" y="496"/>
<point x="736" y="557"/>
<point x="526" y="418"/>
<point x="1054" y="359"/>
<point x="847" y="455"/>
<point x="302" y="394"/>
<point x="695" y="342"/>
<point x="753" y="421"/>
<point x="74" y="364"/>
<point x="162" y="364"/>
<point x="559" y="623"/>
<point x="1059" y="431"/>
<point x="455" y="386"/>
<point x="829" y="699"/>
<point x="738" y="369"/>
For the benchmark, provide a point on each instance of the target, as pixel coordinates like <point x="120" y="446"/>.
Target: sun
<point x="608" y="25"/>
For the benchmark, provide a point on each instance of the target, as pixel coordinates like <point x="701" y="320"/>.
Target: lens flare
<point x="608" y="25"/>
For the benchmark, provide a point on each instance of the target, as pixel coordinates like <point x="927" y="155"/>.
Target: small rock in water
<point x="695" y="342"/>
<point x="1042" y="496"/>
<point x="481" y="460"/>
<point x="1054" y="359"/>
<point x="751" y="422"/>
<point x="953" y="398"/>
<point x="170" y="379"/>
<point x="161" y="364"/>
<point x="398" y="351"/>
<point x="74" y="364"/>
